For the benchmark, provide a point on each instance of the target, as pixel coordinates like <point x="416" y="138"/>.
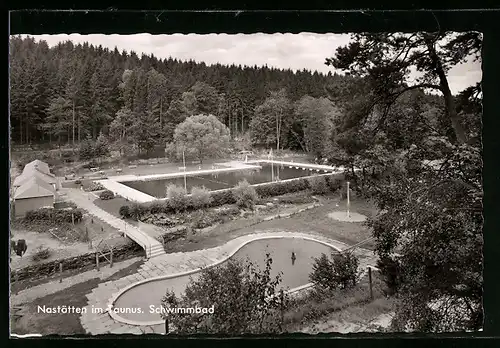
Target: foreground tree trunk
<point x="450" y="109"/>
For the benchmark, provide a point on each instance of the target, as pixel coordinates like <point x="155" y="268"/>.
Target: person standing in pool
<point x="293" y="258"/>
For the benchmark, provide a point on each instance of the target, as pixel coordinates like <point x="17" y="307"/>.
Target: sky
<point x="293" y="51"/>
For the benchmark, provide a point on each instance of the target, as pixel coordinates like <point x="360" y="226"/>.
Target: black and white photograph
<point x="245" y="184"/>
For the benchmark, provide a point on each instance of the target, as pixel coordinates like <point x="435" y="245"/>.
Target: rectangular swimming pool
<point x="219" y="181"/>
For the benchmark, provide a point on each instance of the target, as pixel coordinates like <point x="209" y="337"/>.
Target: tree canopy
<point x="387" y="59"/>
<point x="201" y="136"/>
<point x="246" y="300"/>
<point x="421" y="163"/>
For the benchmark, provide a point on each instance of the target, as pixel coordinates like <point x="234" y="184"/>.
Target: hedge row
<point x="223" y="197"/>
<point x="54" y="215"/>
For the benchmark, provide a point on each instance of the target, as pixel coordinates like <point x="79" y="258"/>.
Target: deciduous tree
<point x="201" y="136"/>
<point x="246" y="300"/>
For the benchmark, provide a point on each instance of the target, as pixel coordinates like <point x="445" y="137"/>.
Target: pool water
<point x="157" y="188"/>
<point x="280" y="249"/>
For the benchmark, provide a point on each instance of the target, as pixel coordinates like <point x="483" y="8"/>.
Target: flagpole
<point x="184" y="163"/>
<point x="348" y="201"/>
<point x="272" y="166"/>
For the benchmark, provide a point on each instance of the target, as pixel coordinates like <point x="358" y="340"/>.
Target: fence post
<point x="60" y="272"/>
<point x="97" y="259"/>
<point x="370" y="280"/>
<point x="111" y="259"/>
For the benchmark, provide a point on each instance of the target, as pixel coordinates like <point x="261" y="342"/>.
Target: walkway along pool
<point x="149" y="292"/>
<point x="219" y="181"/>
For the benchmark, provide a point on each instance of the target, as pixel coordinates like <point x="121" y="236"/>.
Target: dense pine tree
<point x="67" y="92"/>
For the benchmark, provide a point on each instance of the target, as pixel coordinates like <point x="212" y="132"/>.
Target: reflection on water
<point x="219" y="181"/>
<point x="293" y="274"/>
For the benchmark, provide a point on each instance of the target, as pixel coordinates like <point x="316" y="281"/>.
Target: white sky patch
<point x="284" y="51"/>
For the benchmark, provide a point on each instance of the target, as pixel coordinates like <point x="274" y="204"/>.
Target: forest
<point x="68" y="92"/>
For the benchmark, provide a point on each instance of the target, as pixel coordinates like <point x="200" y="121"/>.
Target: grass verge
<point x="317" y="304"/>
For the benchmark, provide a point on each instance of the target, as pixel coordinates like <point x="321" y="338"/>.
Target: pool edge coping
<point x="115" y="297"/>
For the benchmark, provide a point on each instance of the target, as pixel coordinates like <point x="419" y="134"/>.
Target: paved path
<point x="82" y="199"/>
<point x="126" y="192"/>
<point x="101" y="323"/>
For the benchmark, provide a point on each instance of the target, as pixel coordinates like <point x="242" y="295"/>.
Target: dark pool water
<point x="280" y="250"/>
<point x="157" y="188"/>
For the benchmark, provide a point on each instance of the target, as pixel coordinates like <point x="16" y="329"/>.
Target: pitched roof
<point x="41" y="166"/>
<point x="30" y="172"/>
<point x="33" y="188"/>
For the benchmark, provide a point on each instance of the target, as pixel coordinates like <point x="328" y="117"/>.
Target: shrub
<point x="41" y="253"/>
<point x="54" y="215"/>
<point x="281" y="188"/>
<point x="137" y="210"/>
<point x="346" y="269"/>
<point x="95" y="186"/>
<point x="106" y="195"/>
<point x="339" y="272"/>
<point x="222" y="198"/>
<point x="200" y="197"/>
<point x="318" y="185"/>
<point x="157" y="207"/>
<point x="177" y="197"/>
<point x="245" y="195"/>
<point x="124" y="211"/>
<point x="333" y="183"/>
<point x="249" y="310"/>
<point x="390" y="270"/>
<point x="323" y="274"/>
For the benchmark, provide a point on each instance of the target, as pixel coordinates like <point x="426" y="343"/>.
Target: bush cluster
<point x="41" y="253"/>
<point x="54" y="215"/>
<point x="334" y="182"/>
<point x="200" y="198"/>
<point x="390" y="270"/>
<point x="106" y="195"/>
<point x="245" y="195"/>
<point x="318" y="185"/>
<point x="281" y="188"/>
<point x="224" y="197"/>
<point x="177" y="198"/>
<point x="178" y="201"/>
<point x="95" y="186"/>
<point x="339" y="272"/>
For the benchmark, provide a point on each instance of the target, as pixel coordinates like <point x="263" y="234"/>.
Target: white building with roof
<point x="35" y="188"/>
<point x="33" y="194"/>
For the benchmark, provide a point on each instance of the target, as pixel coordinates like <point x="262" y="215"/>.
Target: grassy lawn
<point x="112" y="206"/>
<point x="33" y="321"/>
<point x="355" y="318"/>
<point x="311" y="221"/>
<point x="223" y="233"/>
<point x="317" y="221"/>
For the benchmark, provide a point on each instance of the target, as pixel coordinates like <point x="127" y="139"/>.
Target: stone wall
<point x="83" y="261"/>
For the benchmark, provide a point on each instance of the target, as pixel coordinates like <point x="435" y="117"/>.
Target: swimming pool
<point x="157" y="188"/>
<point x="148" y="293"/>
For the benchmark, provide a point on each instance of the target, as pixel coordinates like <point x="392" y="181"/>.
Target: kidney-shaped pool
<point x="134" y="304"/>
